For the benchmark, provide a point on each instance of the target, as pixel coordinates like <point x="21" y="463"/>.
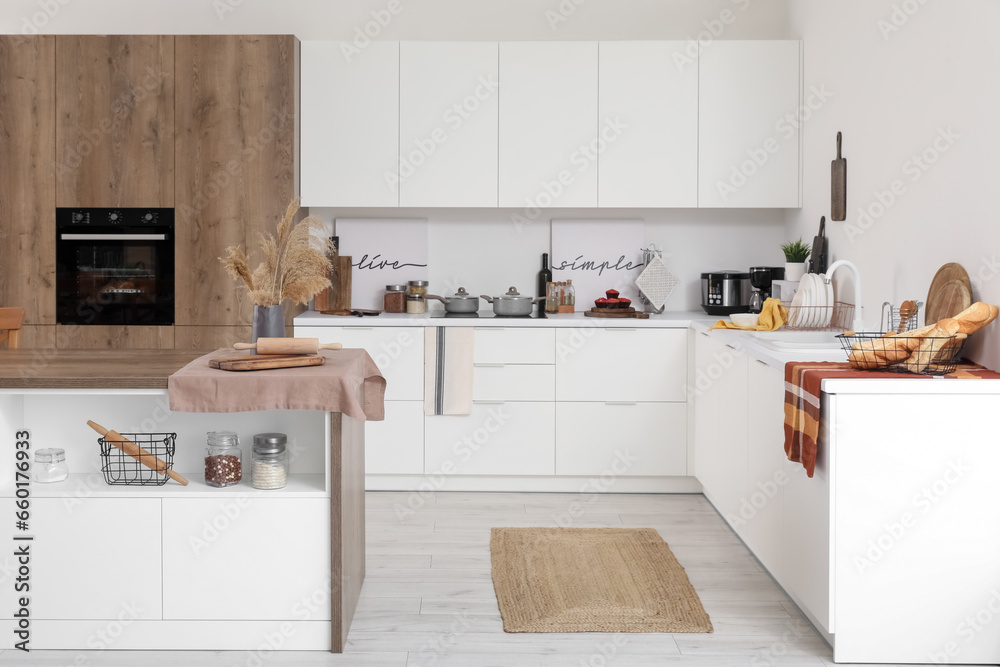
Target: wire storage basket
<point x="120" y="468"/>
<point x="898" y="320"/>
<point x="922" y="355"/>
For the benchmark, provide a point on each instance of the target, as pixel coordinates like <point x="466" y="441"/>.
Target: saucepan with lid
<point x="460" y="302"/>
<point x="513" y="303"/>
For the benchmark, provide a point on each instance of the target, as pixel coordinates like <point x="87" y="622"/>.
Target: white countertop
<point x="669" y="320"/>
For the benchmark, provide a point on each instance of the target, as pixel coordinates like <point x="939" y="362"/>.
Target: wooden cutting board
<point x="950" y="293"/>
<point x="616" y="313"/>
<point x="261" y="362"/>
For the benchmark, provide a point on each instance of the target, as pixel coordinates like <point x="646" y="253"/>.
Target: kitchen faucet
<point x="858" y="324"/>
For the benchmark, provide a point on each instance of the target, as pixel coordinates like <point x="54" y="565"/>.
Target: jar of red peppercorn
<point x="223" y="459"/>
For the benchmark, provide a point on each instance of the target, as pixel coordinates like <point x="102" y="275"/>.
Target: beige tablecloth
<point x="331" y="387"/>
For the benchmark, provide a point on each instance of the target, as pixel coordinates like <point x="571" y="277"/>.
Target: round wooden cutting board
<point x="950" y="293"/>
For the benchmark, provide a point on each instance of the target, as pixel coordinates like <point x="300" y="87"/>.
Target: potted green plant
<point x="796" y="254"/>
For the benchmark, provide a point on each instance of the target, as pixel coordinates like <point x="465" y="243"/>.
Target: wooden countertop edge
<point x="91" y="369"/>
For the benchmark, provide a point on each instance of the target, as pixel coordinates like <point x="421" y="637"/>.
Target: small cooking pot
<point x="512" y="304"/>
<point x="460" y="302"/>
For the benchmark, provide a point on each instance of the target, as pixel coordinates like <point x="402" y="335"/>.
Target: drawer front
<point x="621" y="364"/>
<point x="396" y="446"/>
<point x="634" y="440"/>
<point x="398" y="352"/>
<point x="523" y="382"/>
<point x="496" y="345"/>
<point x="496" y="439"/>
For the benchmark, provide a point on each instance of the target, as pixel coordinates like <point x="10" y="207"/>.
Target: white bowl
<point x="745" y="320"/>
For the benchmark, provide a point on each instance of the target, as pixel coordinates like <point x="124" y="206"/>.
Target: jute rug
<point x="592" y="580"/>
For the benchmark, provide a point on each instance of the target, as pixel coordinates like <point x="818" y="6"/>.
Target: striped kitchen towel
<point x="448" y="370"/>
<point x="803" y="386"/>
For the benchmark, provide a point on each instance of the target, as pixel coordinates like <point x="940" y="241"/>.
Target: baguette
<point x="975" y="317"/>
<point x="930" y="346"/>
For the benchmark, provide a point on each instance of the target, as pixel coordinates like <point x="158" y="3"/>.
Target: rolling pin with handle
<point x="287" y="346"/>
<point x="138" y="453"/>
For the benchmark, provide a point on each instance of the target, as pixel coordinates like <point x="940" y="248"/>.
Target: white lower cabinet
<point x="397" y="351"/>
<point x="244" y="557"/>
<point x="621" y="364"/>
<point x="95" y="558"/>
<point x="513" y="382"/>
<point x="503" y="438"/>
<point x="637" y="439"/>
<point x="395" y="446"/>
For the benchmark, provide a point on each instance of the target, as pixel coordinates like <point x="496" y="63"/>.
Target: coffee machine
<point x="761" y="278"/>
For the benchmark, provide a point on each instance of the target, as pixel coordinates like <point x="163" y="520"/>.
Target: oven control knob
<point x="148" y="217"/>
<point x="113" y="217"/>
<point x="78" y="217"/>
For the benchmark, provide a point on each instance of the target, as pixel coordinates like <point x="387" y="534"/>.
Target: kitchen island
<point x="176" y="567"/>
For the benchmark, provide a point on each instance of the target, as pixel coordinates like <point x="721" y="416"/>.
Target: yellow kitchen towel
<point x="772" y="317"/>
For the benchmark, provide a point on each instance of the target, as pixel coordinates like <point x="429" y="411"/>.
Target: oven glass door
<point x="115" y="276"/>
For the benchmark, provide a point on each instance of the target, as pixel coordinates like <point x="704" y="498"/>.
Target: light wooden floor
<point x="428" y="598"/>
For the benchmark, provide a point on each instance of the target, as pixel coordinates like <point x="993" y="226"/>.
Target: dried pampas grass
<point x="295" y="262"/>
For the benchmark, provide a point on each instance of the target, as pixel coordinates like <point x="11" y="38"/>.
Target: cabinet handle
<point x="619" y="328"/>
<point x="477" y="365"/>
<point x="763" y="363"/>
<point x="705" y="334"/>
<point x="731" y="347"/>
<point x="489" y="402"/>
<point x="621" y="402"/>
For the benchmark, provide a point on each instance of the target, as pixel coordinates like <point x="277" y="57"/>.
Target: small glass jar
<point x="416" y="304"/>
<point x="223" y="459"/>
<point x="269" y="469"/>
<point x="50" y="466"/>
<point x="417" y="287"/>
<point x="395" y="299"/>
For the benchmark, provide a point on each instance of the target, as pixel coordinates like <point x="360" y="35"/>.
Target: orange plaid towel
<point x="802" y="400"/>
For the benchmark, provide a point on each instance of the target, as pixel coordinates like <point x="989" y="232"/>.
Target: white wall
<point x="485" y="252"/>
<point x="413" y="19"/>
<point x="896" y="93"/>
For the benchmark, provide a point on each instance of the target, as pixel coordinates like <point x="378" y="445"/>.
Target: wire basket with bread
<point x="932" y="350"/>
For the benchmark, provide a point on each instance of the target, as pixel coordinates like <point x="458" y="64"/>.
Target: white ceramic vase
<point x="794" y="271"/>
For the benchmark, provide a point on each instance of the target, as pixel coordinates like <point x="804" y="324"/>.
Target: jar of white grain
<point x="269" y="468"/>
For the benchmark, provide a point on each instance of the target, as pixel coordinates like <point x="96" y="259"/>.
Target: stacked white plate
<point x="812" y="307"/>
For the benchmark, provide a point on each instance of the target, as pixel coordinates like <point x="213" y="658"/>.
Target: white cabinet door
<point x="95" y="558"/>
<point x="721" y="454"/>
<point x="496" y="439"/>
<point x="448" y="122"/>
<point x="397" y="351"/>
<point x="548" y="124"/>
<point x="395" y="446"/>
<point x="497" y="345"/>
<point x="514" y="382"/>
<point x="617" y="364"/>
<point x="350" y="124"/>
<point x="638" y="439"/>
<point x="759" y="517"/>
<point x="749" y="98"/>
<point x="231" y="558"/>
<point x="653" y="161"/>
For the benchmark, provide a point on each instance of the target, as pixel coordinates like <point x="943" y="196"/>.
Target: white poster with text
<point x="598" y="255"/>
<point x="383" y="252"/>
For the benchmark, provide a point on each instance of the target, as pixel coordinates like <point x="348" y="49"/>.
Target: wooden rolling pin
<point x="137" y="452"/>
<point x="287" y="346"/>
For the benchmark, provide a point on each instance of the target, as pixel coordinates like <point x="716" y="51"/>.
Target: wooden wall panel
<point x="27" y="190"/>
<point x="115" y="128"/>
<point x="212" y="337"/>
<point x="235" y="152"/>
<point x="108" y="337"/>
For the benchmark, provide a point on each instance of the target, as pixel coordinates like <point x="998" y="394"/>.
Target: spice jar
<point x="395" y="299"/>
<point x="223" y="459"/>
<point x="269" y="469"/>
<point x="416" y="304"/>
<point x="50" y="466"/>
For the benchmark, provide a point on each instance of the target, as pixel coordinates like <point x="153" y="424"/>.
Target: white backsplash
<point x="486" y="252"/>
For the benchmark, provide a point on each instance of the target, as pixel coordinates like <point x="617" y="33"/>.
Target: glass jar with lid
<point x="417" y="287"/>
<point x="269" y="469"/>
<point x="223" y="459"/>
<point x="395" y="299"/>
<point x="50" y="466"/>
<point x="416" y="304"/>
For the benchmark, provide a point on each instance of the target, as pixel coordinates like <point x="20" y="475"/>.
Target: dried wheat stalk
<point x="295" y="263"/>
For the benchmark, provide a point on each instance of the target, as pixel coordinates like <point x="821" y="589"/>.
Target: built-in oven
<point x="115" y="266"/>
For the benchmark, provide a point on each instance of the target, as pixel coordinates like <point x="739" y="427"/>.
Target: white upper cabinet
<point x="350" y="124"/>
<point x="749" y="99"/>
<point x="448" y="122"/>
<point x="648" y="125"/>
<point x="548" y="124"/>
